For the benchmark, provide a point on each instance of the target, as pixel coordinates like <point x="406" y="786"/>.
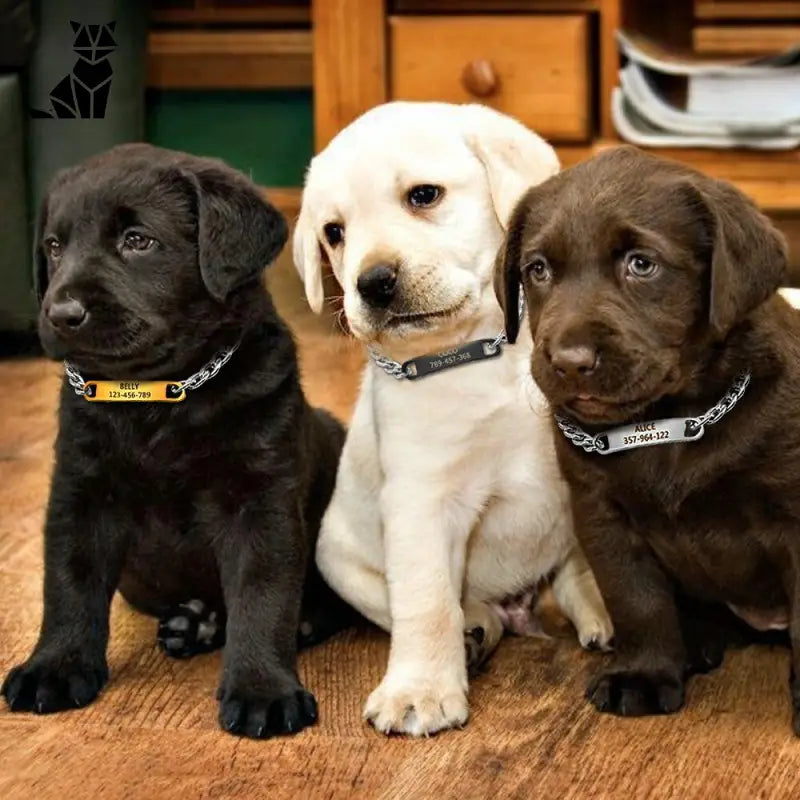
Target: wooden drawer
<point x="534" y="67"/>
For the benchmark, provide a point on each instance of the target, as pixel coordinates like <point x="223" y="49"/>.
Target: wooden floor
<point x="153" y="733"/>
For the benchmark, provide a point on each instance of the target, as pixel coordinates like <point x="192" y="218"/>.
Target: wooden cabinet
<point x="551" y="63"/>
<point x="534" y="67"/>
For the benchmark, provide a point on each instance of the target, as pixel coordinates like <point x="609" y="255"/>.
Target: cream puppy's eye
<point x="334" y="233"/>
<point x="424" y="196"/>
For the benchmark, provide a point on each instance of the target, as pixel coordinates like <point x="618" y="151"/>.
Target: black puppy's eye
<point x="424" y="196"/>
<point x="133" y="240"/>
<point x="334" y="233"/>
<point x="640" y="266"/>
<point x="539" y="270"/>
<point x="53" y="247"/>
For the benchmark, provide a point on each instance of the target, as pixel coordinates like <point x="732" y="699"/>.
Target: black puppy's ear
<point x="749" y="257"/>
<point x="507" y="271"/>
<point x="40" y="277"/>
<point x="238" y="232"/>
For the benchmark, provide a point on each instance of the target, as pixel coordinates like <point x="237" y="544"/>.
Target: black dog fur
<point x="218" y="497"/>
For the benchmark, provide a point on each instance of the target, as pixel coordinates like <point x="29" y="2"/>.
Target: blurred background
<point x="264" y="84"/>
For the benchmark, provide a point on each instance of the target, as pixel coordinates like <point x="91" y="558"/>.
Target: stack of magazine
<point x="664" y="100"/>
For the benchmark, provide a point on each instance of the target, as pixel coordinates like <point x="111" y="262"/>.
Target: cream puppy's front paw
<point x="418" y="707"/>
<point x="595" y="631"/>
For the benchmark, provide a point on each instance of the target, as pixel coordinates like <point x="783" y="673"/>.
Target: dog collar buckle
<point x="661" y="431"/>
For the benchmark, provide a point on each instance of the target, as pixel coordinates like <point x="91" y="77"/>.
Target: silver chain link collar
<point x="205" y="373"/>
<point x="664" y="431"/>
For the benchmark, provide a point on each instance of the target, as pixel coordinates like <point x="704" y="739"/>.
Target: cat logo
<point x="83" y="94"/>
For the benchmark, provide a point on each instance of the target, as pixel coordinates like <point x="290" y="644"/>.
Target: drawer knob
<point x="479" y="78"/>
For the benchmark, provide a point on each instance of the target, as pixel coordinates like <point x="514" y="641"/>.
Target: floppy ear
<point x="515" y="158"/>
<point x="507" y="271"/>
<point x="238" y="232"/>
<point x="307" y="254"/>
<point x="749" y="256"/>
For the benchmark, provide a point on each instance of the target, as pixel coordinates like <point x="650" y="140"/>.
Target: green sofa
<point x="40" y="47"/>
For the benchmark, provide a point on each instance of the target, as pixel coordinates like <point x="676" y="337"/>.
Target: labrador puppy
<point x="149" y="266"/>
<point x="448" y="500"/>
<point x="651" y="296"/>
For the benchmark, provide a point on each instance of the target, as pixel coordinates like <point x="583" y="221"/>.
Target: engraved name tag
<point x="644" y="434"/>
<point x="133" y="392"/>
<point x="476" y="350"/>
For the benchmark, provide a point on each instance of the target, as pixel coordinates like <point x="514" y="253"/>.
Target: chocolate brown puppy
<point x="202" y="512"/>
<point x="650" y="292"/>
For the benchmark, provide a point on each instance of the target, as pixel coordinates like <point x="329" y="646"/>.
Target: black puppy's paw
<point x="190" y="629"/>
<point x="53" y="685"/>
<point x="636" y="692"/>
<point x="260" y="716"/>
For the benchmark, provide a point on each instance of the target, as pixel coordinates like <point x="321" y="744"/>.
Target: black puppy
<point x="149" y="266"/>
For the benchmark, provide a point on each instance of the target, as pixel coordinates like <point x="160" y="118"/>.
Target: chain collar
<point x="664" y="431"/>
<point x="476" y="350"/>
<point x="205" y="373"/>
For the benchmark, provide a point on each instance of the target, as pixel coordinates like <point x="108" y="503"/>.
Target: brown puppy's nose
<point x="67" y="315"/>
<point x="377" y="285"/>
<point x="574" y="361"/>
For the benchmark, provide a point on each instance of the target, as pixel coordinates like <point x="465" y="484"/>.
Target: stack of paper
<point x="752" y="104"/>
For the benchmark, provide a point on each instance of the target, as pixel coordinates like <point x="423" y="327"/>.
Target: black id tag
<point x="478" y="350"/>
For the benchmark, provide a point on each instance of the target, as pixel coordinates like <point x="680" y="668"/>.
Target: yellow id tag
<point x="133" y="392"/>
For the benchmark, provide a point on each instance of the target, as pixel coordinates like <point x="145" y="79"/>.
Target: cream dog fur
<point x="448" y="498"/>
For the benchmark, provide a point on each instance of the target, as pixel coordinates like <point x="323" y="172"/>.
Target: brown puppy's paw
<point x="794" y="691"/>
<point x="636" y="692"/>
<point x="54" y="685"/>
<point x="262" y="715"/>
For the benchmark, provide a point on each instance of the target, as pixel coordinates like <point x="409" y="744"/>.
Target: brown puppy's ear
<point x="507" y="271"/>
<point x="749" y="257"/>
<point x="238" y="232"/>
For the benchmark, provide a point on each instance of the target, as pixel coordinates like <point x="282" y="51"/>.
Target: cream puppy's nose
<point x="377" y="285"/>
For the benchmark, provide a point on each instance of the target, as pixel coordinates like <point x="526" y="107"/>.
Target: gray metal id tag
<point x="645" y="434"/>
<point x="477" y="350"/>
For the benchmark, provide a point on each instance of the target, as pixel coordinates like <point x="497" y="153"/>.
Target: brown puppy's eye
<point x="53" y="247"/>
<point x="334" y="233"/>
<point x="133" y="240"/>
<point x="424" y="196"/>
<point x="539" y="270"/>
<point x="640" y="266"/>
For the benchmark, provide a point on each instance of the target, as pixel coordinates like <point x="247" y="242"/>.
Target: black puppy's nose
<point x="67" y="315"/>
<point x="574" y="361"/>
<point x="377" y="285"/>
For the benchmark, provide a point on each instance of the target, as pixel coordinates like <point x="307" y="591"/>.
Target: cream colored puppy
<point x="448" y="499"/>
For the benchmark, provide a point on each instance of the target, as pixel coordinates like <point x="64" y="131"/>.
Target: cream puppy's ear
<point x="307" y="253"/>
<point x="514" y="156"/>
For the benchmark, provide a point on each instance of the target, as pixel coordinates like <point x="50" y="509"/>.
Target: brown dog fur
<point x="718" y="519"/>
